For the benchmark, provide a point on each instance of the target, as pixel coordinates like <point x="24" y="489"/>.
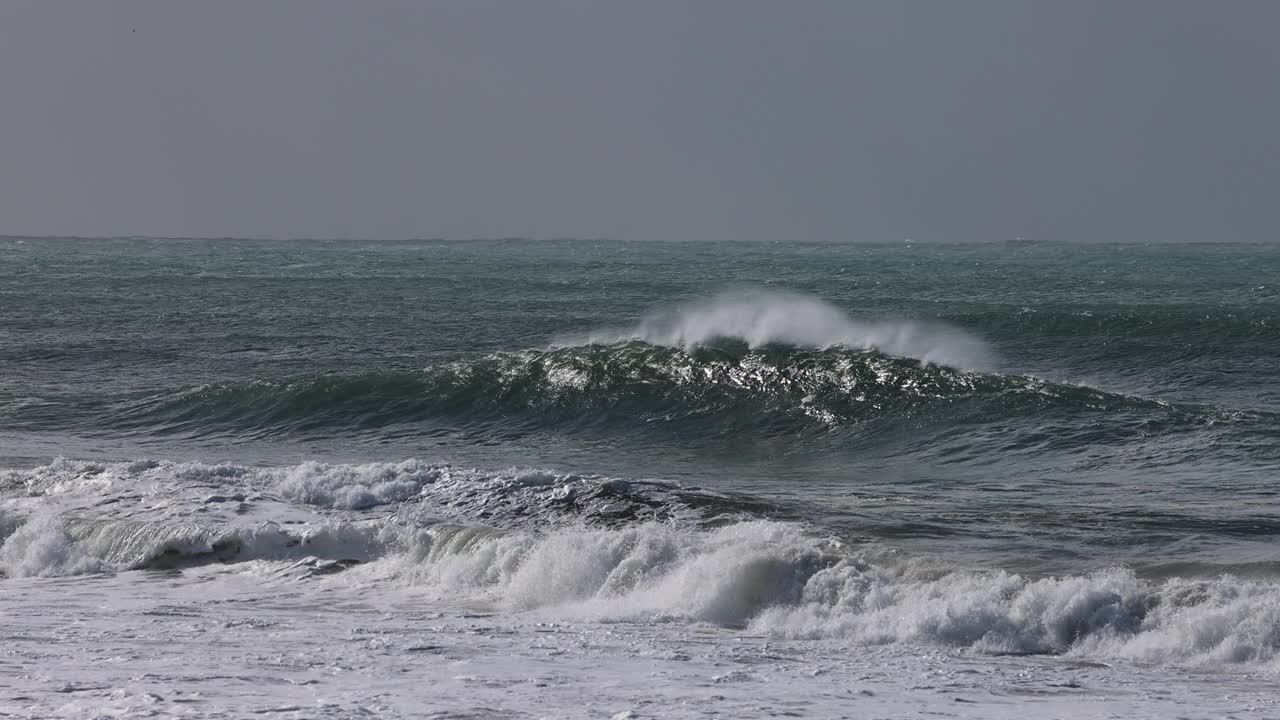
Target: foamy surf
<point x="782" y="580"/>
<point x="285" y="642"/>
<point x="592" y="549"/>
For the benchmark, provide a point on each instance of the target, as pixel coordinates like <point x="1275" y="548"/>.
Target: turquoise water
<point x="1035" y="407"/>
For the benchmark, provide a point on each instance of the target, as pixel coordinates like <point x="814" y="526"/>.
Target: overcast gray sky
<point x="731" y="119"/>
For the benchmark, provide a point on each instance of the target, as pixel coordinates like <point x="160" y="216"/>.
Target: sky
<point x="843" y="121"/>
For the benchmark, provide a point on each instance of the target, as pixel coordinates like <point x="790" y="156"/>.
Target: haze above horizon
<point x="816" y="121"/>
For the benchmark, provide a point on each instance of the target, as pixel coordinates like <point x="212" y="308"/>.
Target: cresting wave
<point x="598" y="549"/>
<point x="761" y="318"/>
<point x="759" y="365"/>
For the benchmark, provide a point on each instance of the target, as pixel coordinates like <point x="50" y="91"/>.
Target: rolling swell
<point x="719" y="389"/>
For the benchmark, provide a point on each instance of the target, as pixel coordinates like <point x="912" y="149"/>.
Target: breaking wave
<point x="52" y="546"/>
<point x="591" y="548"/>
<point x="779" y="579"/>
<point x="167" y="514"/>
<point x="762" y="318"/>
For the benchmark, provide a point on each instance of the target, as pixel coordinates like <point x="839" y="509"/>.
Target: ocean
<point x="587" y="478"/>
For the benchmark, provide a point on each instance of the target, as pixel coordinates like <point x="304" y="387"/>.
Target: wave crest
<point x="767" y="317"/>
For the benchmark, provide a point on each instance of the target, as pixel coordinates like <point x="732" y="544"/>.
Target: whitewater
<point x="544" y="607"/>
<point x="581" y="479"/>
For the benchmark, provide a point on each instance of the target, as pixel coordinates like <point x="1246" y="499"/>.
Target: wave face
<point x="703" y="392"/>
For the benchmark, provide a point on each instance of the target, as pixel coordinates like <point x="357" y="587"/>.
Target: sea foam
<point x="780" y="580"/>
<point x="584" y="548"/>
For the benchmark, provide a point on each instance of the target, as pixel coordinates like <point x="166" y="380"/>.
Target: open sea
<point x="578" y="478"/>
